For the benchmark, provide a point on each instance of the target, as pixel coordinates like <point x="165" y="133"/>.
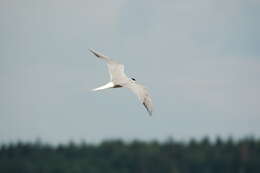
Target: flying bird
<point x="119" y="79"/>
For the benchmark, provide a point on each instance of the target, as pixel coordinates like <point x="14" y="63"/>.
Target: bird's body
<point x="118" y="79"/>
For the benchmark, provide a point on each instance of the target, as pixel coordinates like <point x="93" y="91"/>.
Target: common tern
<point x="119" y="79"/>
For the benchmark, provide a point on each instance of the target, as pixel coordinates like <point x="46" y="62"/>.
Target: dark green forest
<point x="116" y="156"/>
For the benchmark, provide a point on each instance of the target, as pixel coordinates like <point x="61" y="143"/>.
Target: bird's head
<point x="133" y="79"/>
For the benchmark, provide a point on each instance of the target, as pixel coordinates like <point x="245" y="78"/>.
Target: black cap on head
<point x="133" y="79"/>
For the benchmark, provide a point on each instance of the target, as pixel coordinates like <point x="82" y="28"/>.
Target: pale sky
<point x="199" y="59"/>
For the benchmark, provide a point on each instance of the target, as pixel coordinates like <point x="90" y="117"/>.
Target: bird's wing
<point x="116" y="70"/>
<point x="142" y="94"/>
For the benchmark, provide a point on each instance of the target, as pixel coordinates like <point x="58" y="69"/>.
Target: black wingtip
<point x="92" y="51"/>
<point x="149" y="111"/>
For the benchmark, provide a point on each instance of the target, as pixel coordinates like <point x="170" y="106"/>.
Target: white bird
<point x="119" y="79"/>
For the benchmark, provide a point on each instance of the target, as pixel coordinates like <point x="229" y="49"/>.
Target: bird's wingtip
<point x="95" y="53"/>
<point x="91" y="50"/>
<point x="149" y="110"/>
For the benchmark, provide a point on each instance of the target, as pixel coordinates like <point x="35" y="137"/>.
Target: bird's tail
<point x="108" y="85"/>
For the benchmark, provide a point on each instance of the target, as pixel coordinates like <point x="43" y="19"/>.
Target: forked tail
<point x="108" y="85"/>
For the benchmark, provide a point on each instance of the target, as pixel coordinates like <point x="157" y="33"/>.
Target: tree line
<point x="117" y="156"/>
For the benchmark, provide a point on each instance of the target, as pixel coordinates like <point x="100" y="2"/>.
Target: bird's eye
<point x="133" y="79"/>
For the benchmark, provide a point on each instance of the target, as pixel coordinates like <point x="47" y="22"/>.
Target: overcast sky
<point x="199" y="59"/>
